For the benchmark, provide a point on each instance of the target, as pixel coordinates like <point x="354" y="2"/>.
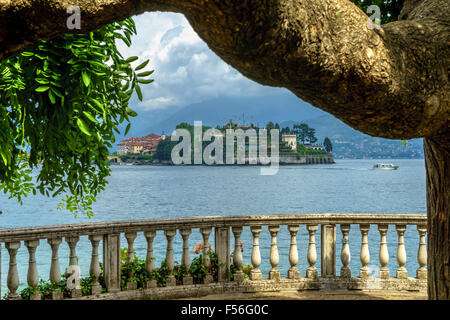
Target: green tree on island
<point x="328" y="145"/>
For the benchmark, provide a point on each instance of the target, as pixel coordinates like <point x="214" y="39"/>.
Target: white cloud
<point x="186" y="70"/>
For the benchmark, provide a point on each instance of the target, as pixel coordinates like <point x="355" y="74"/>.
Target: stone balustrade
<point x="227" y="229"/>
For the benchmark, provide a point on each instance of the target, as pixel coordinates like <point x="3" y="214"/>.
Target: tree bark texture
<point x="438" y="202"/>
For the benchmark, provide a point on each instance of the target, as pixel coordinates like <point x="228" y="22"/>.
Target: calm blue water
<point x="145" y="192"/>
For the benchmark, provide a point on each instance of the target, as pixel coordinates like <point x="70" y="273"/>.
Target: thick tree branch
<point x="390" y="82"/>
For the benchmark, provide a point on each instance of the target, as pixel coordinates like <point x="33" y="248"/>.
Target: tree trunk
<point x="438" y="180"/>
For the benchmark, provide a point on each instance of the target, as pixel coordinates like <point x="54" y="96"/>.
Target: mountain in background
<point x="286" y="110"/>
<point x="257" y="109"/>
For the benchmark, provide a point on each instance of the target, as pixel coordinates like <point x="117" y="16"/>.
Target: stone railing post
<point x="222" y="246"/>
<point x="130" y="236"/>
<point x="32" y="275"/>
<point x="13" y="275"/>
<point x="256" y="274"/>
<point x="237" y="255"/>
<point x="421" y="272"/>
<point x="311" y="271"/>
<point x="94" y="269"/>
<point x="402" y="273"/>
<point x="293" y="253"/>
<point x="170" y="263"/>
<point x="364" y="257"/>
<point x="185" y="256"/>
<point x="111" y="261"/>
<point x="384" y="253"/>
<point x="72" y="242"/>
<point x="274" y="273"/>
<point x="150" y="259"/>
<point x="206" y="259"/>
<point x="345" y="252"/>
<point x="328" y="250"/>
<point x="73" y="262"/>
<point x="55" y="270"/>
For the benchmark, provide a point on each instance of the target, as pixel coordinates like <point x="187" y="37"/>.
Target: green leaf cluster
<point x="390" y="9"/>
<point x="61" y="103"/>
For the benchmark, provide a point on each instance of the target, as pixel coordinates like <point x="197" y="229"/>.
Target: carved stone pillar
<point x="55" y="270"/>
<point x="206" y="259"/>
<point x="402" y="273"/>
<point x="421" y="272"/>
<point x="345" y="252"/>
<point x="311" y="271"/>
<point x="170" y="234"/>
<point x="73" y="261"/>
<point x="130" y="236"/>
<point x="185" y="257"/>
<point x="384" y="254"/>
<point x="364" y="257"/>
<point x="150" y="259"/>
<point x="94" y="269"/>
<point x="274" y="273"/>
<point x="256" y="274"/>
<point x="13" y="275"/>
<point x="237" y="254"/>
<point x="293" y="253"/>
<point x="32" y="276"/>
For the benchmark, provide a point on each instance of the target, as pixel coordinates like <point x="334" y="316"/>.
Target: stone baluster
<point x="185" y="257"/>
<point x="311" y="271"/>
<point x="150" y="259"/>
<point x="402" y="273"/>
<point x="421" y="272"/>
<point x="130" y="236"/>
<point x="384" y="253"/>
<point x="237" y="254"/>
<point x="13" y="275"/>
<point x="293" y="253"/>
<point x="55" y="270"/>
<point x="256" y="274"/>
<point x="32" y="275"/>
<point x="274" y="273"/>
<point x="364" y="271"/>
<point x="206" y="259"/>
<point x="345" y="252"/>
<point x="73" y="264"/>
<point x="94" y="269"/>
<point x="170" y="234"/>
<point x="72" y="242"/>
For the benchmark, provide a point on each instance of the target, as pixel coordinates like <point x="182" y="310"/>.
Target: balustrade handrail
<point x="225" y="227"/>
<point x="121" y="226"/>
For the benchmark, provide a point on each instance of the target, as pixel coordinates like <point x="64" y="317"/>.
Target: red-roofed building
<point x="135" y="145"/>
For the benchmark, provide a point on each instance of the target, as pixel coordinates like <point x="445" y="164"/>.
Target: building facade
<point x="290" y="139"/>
<point x="143" y="145"/>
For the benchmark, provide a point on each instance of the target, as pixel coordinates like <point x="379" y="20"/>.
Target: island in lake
<point x="296" y="146"/>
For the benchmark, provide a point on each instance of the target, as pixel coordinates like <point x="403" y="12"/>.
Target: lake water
<point x="146" y="192"/>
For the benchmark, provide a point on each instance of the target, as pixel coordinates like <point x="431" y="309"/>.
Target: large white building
<point x="290" y="139"/>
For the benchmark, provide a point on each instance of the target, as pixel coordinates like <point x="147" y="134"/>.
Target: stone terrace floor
<point x="319" y="295"/>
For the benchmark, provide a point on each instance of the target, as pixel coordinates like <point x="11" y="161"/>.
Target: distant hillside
<point x="259" y="109"/>
<point x="285" y="109"/>
<point x="350" y="143"/>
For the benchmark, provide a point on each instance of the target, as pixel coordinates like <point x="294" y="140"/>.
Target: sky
<point x="186" y="71"/>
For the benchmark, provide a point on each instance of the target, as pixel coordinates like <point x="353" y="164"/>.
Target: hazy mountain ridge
<point x="284" y="109"/>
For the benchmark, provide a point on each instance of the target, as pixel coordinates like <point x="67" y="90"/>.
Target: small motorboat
<point x="385" y="166"/>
